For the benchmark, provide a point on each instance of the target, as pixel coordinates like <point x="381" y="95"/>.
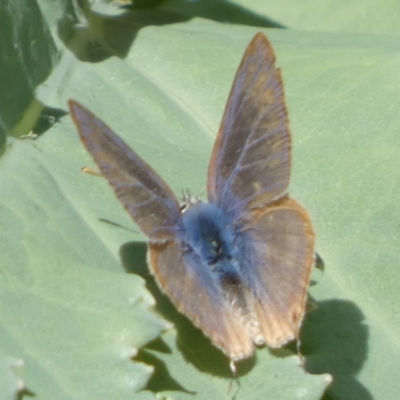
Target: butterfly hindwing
<point x="188" y="282"/>
<point x="278" y="253"/>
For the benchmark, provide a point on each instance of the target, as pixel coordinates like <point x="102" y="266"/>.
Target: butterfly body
<point x="208" y="233"/>
<point x="211" y="246"/>
<point x="238" y="266"/>
<point x="218" y="248"/>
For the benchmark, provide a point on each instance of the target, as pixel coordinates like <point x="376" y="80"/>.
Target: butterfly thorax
<point x="210" y="236"/>
<point x="208" y="233"/>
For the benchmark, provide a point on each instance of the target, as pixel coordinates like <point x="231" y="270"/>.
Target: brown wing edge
<point x="290" y="324"/>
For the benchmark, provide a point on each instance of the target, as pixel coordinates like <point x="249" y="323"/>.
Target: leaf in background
<point x="27" y="55"/>
<point x="362" y="16"/>
<point x="67" y="310"/>
<point x="278" y="377"/>
<point x="64" y="293"/>
<point x="11" y="384"/>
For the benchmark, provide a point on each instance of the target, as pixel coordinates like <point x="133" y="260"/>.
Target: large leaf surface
<point x="362" y="16"/>
<point x="71" y="316"/>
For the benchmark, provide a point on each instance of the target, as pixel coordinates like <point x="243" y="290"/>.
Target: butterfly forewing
<point x="250" y="162"/>
<point x="144" y="194"/>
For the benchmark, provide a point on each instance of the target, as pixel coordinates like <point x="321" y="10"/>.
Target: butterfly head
<point x="189" y="200"/>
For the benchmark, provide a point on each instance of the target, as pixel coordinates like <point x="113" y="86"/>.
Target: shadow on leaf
<point x="93" y="36"/>
<point x="334" y="340"/>
<point x="193" y="345"/>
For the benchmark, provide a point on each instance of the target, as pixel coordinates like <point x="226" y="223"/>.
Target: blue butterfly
<point x="238" y="266"/>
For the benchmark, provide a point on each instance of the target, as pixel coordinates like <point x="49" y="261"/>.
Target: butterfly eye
<point x="216" y="246"/>
<point x="219" y="252"/>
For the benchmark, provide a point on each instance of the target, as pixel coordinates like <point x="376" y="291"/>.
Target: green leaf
<point x="72" y="318"/>
<point x="28" y="55"/>
<point x="10" y="383"/>
<point x="67" y="309"/>
<point x="279" y="377"/>
<point x="362" y="16"/>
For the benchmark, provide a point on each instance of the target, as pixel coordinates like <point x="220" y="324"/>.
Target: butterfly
<point x="238" y="266"/>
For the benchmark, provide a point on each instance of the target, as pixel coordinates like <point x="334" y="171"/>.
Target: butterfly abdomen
<point x="210" y="237"/>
